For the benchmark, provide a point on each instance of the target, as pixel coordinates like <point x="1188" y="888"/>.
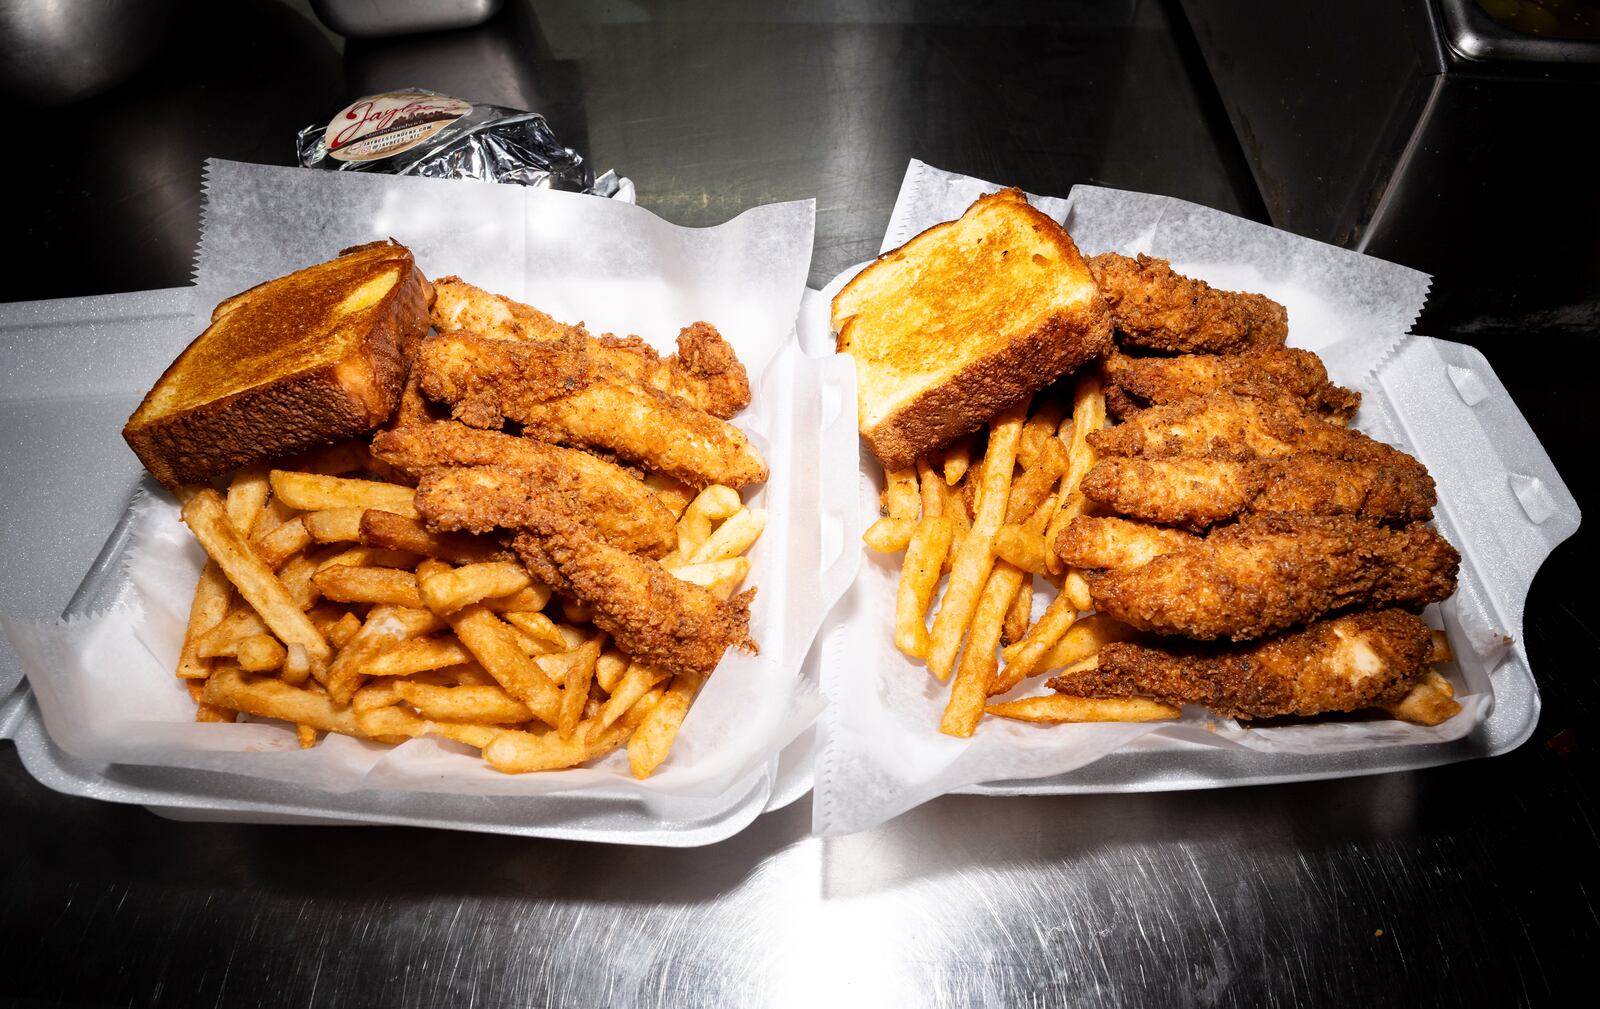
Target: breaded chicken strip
<point x="1228" y="424"/>
<point x="1198" y="493"/>
<point x="1092" y="541"/>
<point x="1268" y="573"/>
<point x="1363" y="660"/>
<point x="705" y="372"/>
<point x="1154" y="307"/>
<point x="654" y="617"/>
<point x="553" y="390"/>
<point x="1294" y="372"/>
<point x="479" y="499"/>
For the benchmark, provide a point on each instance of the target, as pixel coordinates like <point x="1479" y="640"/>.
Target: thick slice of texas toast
<point x="296" y="362"/>
<point x="963" y="321"/>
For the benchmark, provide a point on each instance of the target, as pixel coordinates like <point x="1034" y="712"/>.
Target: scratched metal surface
<point x="1467" y="885"/>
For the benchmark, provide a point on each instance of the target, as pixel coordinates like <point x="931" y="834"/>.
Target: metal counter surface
<point x="1473" y="884"/>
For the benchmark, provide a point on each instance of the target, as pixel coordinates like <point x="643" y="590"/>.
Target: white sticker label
<point x="382" y="125"/>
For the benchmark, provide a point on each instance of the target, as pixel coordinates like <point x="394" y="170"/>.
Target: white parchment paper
<point x="881" y="749"/>
<point x="104" y="682"/>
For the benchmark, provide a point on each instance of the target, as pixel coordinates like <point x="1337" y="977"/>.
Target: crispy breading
<point x="1270" y="572"/>
<point x="1198" y="493"/>
<point x="479" y="499"/>
<point x="1234" y="424"/>
<point x="654" y="617"/>
<point x="1362" y="660"/>
<point x="1095" y="542"/>
<point x="554" y="391"/>
<point x="1157" y="308"/>
<point x="704" y="372"/>
<point x="1295" y="372"/>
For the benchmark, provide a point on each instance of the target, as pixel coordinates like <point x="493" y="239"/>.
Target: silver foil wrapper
<point x="418" y="132"/>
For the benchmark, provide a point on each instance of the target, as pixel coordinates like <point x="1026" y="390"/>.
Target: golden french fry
<point x="635" y="683"/>
<point x="223" y="639"/>
<point x="210" y="605"/>
<point x="889" y="535"/>
<point x="713" y="503"/>
<point x="371" y="557"/>
<point x="1076" y="588"/>
<point x="999" y="461"/>
<point x="919" y="579"/>
<point x="610" y="668"/>
<point x="296" y="576"/>
<point x="719" y="578"/>
<point x="307" y="736"/>
<point x="387" y="586"/>
<point x="315" y="492"/>
<point x="515" y="752"/>
<point x="274" y="514"/>
<point x="1015" y="545"/>
<point x="1083" y="640"/>
<point x="391" y="531"/>
<point x="734" y="536"/>
<point x="384" y="628"/>
<point x="208" y="519"/>
<point x="491" y="642"/>
<point x="448" y="591"/>
<point x="957" y="457"/>
<point x="930" y="485"/>
<point x="283" y="542"/>
<point x="1024" y="657"/>
<point x="415" y="655"/>
<point x="296" y="666"/>
<point x="1037" y="482"/>
<point x="1020" y="614"/>
<point x="529" y="600"/>
<point x="580" y="673"/>
<point x="259" y="653"/>
<point x="1088" y="415"/>
<point x="1057" y="708"/>
<point x="1040" y="431"/>
<point x="334" y="525"/>
<point x="204" y="712"/>
<point x="650" y="742"/>
<point x="490" y="704"/>
<point x="901" y="497"/>
<point x="541" y="630"/>
<point x="978" y="662"/>
<point x="265" y="697"/>
<point x="247" y="495"/>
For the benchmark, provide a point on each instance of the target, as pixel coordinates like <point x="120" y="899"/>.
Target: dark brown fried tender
<point x="1362" y="660"/>
<point x="1270" y="572"/>
<point x="1234" y="424"/>
<point x="480" y="499"/>
<point x="655" y="618"/>
<point x="1157" y="308"/>
<point x="1101" y="542"/>
<point x="1198" y="493"/>
<point x="1290" y="370"/>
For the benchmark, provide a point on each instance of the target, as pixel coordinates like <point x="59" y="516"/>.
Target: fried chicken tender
<point x="1363" y="660"/>
<point x="1289" y="370"/>
<point x="1098" y="542"/>
<point x="654" y="617"/>
<point x="1234" y="424"/>
<point x="1157" y="308"/>
<point x="1270" y="572"/>
<point x="479" y="499"/>
<point x="554" y="390"/>
<point x="704" y="372"/>
<point x="1198" y="493"/>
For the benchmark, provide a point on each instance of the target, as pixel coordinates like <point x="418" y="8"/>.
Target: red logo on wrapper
<point x="381" y="125"/>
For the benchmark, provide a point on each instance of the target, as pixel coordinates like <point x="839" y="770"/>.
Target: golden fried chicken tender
<point x="1157" y="308"/>
<point x="1289" y="370"/>
<point x="1102" y="542"/>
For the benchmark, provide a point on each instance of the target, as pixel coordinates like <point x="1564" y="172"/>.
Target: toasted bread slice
<point x="966" y="319"/>
<point x="296" y="362"/>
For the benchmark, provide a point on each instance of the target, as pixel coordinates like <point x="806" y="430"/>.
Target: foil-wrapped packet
<point x="419" y="132"/>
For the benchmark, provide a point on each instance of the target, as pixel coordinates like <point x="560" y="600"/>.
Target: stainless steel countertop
<point x="1473" y="884"/>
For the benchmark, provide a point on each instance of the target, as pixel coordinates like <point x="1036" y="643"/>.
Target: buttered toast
<point x="294" y="363"/>
<point x="964" y="320"/>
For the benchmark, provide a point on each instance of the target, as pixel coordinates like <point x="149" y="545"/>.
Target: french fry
<point x="264" y="697"/>
<point x="580" y="673"/>
<point x="1024" y="657"/>
<point x="1037" y="482"/>
<point x="719" y="577"/>
<point x="208" y="519"/>
<point x="978" y="661"/>
<point x="334" y="525"/>
<point x="247" y="495"/>
<point x="316" y="492"/>
<point x="385" y="627"/>
<point x="969" y="572"/>
<point x="296" y="666"/>
<point x="1076" y="588"/>
<point x="1439" y="649"/>
<point x="463" y="704"/>
<point x="1020" y="614"/>
<point x="371" y="557"/>
<point x="919" y="579"/>
<point x="650" y="742"/>
<point x="539" y="628"/>
<point x="1430" y="700"/>
<point x="957" y="457"/>
<point x="610" y="668"/>
<point x="283" y="542"/>
<point x="306" y="735"/>
<point x="737" y="533"/>
<point x="930" y="488"/>
<point x="415" y="655"/>
<point x="296" y="576"/>
<point x="635" y="683"/>
<point x="259" y="653"/>
<point x="448" y="591"/>
<point x="515" y="752"/>
<point x="391" y="531"/>
<point x="1088" y="415"/>
<point x="490" y="641"/>
<point x="1040" y="431"/>
<point x="210" y="605"/>
<point x="710" y="505"/>
<point x="386" y="586"/>
<point x="204" y="712"/>
<point x="1058" y="708"/>
<point x="529" y="600"/>
<point x="901" y="495"/>
<point x="274" y="514"/>
<point x="1017" y="546"/>
<point x="889" y="535"/>
<point x="1083" y="640"/>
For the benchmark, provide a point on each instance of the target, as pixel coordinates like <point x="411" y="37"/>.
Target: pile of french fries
<point x="989" y="524"/>
<point x="328" y="605"/>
